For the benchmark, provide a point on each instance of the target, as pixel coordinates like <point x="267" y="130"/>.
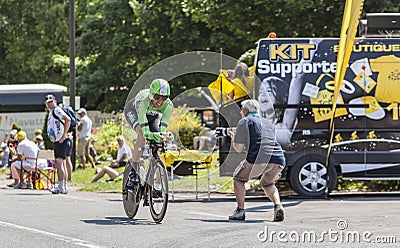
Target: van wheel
<point x="308" y="176"/>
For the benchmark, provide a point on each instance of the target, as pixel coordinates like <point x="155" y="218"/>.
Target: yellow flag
<point x="351" y="17"/>
<point x="222" y="84"/>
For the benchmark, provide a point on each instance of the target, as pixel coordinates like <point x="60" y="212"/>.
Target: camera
<point x="223" y="131"/>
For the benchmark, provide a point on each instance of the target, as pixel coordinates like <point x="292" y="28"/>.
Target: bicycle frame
<point x="145" y="189"/>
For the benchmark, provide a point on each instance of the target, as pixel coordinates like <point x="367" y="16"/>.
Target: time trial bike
<point x="152" y="187"/>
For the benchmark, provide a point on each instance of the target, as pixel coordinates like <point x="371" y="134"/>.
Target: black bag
<point x="70" y="112"/>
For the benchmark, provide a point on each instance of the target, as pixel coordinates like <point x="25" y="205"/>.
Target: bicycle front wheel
<point x="158" y="191"/>
<point x="130" y="195"/>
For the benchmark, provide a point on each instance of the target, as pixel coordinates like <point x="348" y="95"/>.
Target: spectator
<point x="37" y="132"/>
<point x="112" y="173"/>
<point x="170" y="143"/>
<point x="264" y="158"/>
<point x="5" y="153"/>
<point x="92" y="151"/>
<point x="242" y="82"/>
<point x="39" y="141"/>
<point x="123" y="155"/>
<point x="57" y="129"/>
<point x="206" y="141"/>
<point x="27" y="153"/>
<point x="10" y="137"/>
<point x="84" y="132"/>
<point x="12" y="143"/>
<point x="68" y="162"/>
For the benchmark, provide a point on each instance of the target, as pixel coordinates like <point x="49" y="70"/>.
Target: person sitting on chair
<point x="27" y="154"/>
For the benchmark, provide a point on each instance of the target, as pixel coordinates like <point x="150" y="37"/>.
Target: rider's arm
<point x="142" y="119"/>
<point x="166" y="115"/>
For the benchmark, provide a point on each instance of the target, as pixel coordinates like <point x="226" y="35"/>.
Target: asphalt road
<point x="39" y="219"/>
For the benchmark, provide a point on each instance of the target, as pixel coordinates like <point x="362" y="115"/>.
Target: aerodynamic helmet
<point x="159" y="87"/>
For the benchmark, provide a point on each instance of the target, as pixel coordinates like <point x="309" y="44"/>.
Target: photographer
<point x="264" y="158"/>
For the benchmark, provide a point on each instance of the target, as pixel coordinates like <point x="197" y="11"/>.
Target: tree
<point x="31" y="33"/>
<point x="117" y="41"/>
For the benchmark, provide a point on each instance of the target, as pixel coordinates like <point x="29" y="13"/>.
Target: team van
<point x="294" y="85"/>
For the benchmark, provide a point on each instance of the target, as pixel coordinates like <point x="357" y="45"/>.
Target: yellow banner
<point x="351" y="18"/>
<point x="222" y="84"/>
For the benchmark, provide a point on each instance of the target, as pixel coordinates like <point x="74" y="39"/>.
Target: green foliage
<point x="119" y="40"/>
<point x="366" y="186"/>
<point x="30" y="33"/>
<point x="47" y="143"/>
<point x="186" y="124"/>
<point x="106" y="139"/>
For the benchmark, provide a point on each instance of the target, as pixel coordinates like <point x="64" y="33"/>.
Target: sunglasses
<point x="159" y="97"/>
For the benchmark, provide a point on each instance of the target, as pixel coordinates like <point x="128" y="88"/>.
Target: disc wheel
<point x="130" y="197"/>
<point x="158" y="191"/>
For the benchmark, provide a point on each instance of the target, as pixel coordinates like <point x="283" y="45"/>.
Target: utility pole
<point x="72" y="82"/>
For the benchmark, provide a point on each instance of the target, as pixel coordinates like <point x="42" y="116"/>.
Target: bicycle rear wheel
<point x="130" y="196"/>
<point x="158" y="191"/>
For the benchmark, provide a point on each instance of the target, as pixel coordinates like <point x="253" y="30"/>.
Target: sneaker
<point x="133" y="179"/>
<point x="156" y="192"/>
<point x="11" y="185"/>
<point x="28" y="186"/>
<point x="279" y="213"/>
<point x="238" y="214"/>
<point x="17" y="186"/>
<point x="59" y="190"/>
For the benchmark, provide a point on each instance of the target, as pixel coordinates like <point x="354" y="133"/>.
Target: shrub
<point x="105" y="137"/>
<point x="185" y="125"/>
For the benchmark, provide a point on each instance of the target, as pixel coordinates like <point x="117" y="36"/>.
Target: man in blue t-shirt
<point x="264" y="158"/>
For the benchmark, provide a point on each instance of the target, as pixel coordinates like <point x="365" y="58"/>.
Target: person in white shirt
<point x="57" y="130"/>
<point x="84" y="132"/>
<point x="27" y="153"/>
<point x="123" y="155"/>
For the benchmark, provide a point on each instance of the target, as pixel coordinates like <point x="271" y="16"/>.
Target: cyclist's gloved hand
<point x="156" y="136"/>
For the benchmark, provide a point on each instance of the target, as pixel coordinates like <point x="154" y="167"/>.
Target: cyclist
<point x="148" y="114"/>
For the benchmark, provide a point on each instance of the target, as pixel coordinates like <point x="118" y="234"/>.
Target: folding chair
<point x="45" y="170"/>
<point x="24" y="173"/>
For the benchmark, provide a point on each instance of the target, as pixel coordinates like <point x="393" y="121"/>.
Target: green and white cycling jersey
<point x="138" y="111"/>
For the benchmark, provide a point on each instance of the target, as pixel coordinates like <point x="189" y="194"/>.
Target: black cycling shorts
<point x="60" y="149"/>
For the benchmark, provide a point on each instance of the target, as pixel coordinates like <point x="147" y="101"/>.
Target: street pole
<point x="72" y="83"/>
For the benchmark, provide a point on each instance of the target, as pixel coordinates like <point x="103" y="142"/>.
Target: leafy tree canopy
<point x="119" y="40"/>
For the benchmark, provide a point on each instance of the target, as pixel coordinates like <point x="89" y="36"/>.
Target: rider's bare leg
<point x="139" y="144"/>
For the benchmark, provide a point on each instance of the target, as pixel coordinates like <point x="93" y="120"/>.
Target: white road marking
<point x="66" y="239"/>
<point x="206" y="214"/>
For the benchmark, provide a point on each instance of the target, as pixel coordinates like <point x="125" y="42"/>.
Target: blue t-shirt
<point x="258" y="136"/>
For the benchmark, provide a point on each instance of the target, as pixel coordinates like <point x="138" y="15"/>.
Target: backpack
<point x="70" y="112"/>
